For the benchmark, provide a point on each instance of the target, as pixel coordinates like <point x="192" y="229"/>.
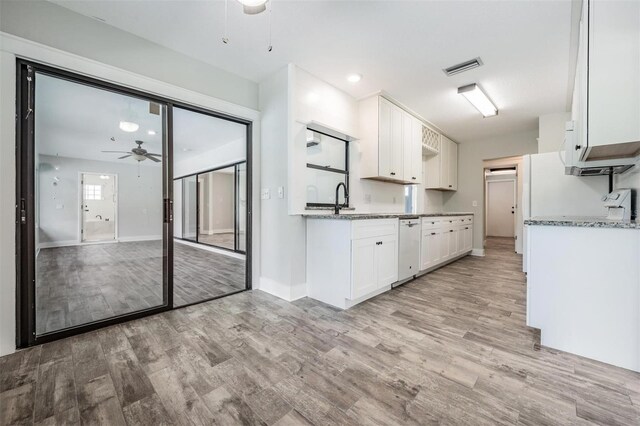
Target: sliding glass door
<point x="94" y="157"/>
<point x="105" y="233"/>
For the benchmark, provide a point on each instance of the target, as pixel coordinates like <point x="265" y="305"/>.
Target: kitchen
<point x="431" y="212"/>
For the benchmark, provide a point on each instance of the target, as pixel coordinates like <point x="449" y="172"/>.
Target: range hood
<point x="596" y="171"/>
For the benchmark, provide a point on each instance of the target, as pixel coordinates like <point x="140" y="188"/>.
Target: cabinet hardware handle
<point x="450" y="230"/>
<point x="433" y="233"/>
<point x="466" y="227"/>
<point x="578" y="147"/>
<point x="413" y="177"/>
<point x="450" y="186"/>
<point x="393" y="173"/>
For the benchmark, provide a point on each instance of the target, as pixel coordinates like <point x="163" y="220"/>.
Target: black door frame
<point x="25" y="201"/>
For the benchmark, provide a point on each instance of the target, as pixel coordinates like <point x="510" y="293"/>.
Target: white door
<point x="468" y="238"/>
<point x="364" y="277"/>
<point x="98" y="207"/>
<point x="501" y="199"/>
<point x="387" y="260"/>
<point x="453" y="166"/>
<point x="453" y="242"/>
<point x="430" y="250"/>
<point x="407" y="148"/>
<point x="416" y="149"/>
<point x="444" y="162"/>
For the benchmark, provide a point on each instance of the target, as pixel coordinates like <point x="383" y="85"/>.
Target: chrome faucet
<point x="346" y="197"/>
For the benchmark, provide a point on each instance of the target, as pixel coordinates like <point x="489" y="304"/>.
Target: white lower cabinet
<point x="349" y="261"/>
<point x="444" y="238"/>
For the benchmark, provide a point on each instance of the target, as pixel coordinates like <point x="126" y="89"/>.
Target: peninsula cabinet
<point x="442" y="169"/>
<point x="349" y="261"/>
<point x="391" y="142"/>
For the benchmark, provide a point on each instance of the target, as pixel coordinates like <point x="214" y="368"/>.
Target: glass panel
<point x="241" y="207"/>
<point x="208" y="265"/>
<point x="325" y="151"/>
<point x="189" y="208"/>
<point x="321" y="186"/>
<point x="99" y="200"/>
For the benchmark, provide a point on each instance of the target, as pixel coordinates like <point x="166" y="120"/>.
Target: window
<point x="410" y="199"/>
<point x="93" y="192"/>
<point x="327" y="166"/>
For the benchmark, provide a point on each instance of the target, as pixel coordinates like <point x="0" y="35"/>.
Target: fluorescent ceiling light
<point x="252" y="7"/>
<point x="478" y="99"/>
<point x="129" y="126"/>
<point x="151" y="132"/>
<point x="354" y="78"/>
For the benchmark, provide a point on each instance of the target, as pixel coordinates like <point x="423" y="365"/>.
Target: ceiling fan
<point x="138" y="153"/>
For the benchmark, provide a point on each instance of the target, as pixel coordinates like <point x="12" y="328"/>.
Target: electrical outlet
<point x="474" y="203"/>
<point x="266" y="194"/>
<point x="281" y="192"/>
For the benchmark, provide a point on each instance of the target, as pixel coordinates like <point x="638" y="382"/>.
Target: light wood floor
<point x="449" y="348"/>
<point x="79" y="284"/>
<point x="225" y="239"/>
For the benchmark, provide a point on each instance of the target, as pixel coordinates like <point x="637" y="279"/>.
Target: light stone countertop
<point x="582" y="222"/>
<point x="363" y="216"/>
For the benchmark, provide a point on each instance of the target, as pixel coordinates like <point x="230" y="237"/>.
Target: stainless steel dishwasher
<point x="408" y="248"/>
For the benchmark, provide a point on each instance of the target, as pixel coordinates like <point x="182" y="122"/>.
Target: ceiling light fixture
<point x="249" y="7"/>
<point x="129" y="126"/>
<point x="478" y="99"/>
<point x="151" y="132"/>
<point x="354" y="78"/>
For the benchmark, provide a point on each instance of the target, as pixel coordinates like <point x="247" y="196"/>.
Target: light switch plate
<point x="474" y="204"/>
<point x="266" y="194"/>
<point x="281" y="192"/>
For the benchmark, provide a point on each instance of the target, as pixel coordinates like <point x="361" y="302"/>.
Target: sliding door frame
<point x="25" y="200"/>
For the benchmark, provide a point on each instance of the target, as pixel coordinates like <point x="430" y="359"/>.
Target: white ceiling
<point x="398" y="46"/>
<point x="78" y="121"/>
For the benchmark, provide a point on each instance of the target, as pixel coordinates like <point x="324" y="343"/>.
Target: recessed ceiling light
<point x="354" y="78"/>
<point x="151" y="132"/>
<point x="478" y="99"/>
<point x="129" y="126"/>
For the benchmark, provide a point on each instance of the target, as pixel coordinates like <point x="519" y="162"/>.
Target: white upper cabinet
<point x="442" y="169"/>
<point x="608" y="81"/>
<point x="391" y="142"/>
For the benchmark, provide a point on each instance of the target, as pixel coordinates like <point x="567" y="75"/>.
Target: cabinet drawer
<point x="373" y="228"/>
<point x="431" y="222"/>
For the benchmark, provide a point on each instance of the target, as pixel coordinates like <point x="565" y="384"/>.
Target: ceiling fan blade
<point x="152" y="158"/>
<point x="124" y="156"/>
<point x="117" y="152"/>
<point x="151" y="153"/>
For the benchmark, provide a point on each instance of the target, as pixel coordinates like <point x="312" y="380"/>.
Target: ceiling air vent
<point x="465" y="66"/>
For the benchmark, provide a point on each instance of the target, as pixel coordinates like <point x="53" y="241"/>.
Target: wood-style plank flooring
<point x="225" y="239"/>
<point x="79" y="284"/>
<point x="448" y="348"/>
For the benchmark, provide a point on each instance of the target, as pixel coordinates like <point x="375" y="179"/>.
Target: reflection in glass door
<point x="210" y="162"/>
<point x="98" y="178"/>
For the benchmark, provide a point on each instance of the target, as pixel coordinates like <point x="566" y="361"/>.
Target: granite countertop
<point x="362" y="216"/>
<point x="583" y="222"/>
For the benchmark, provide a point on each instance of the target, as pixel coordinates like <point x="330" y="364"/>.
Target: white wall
<point x="139" y="199"/>
<point x="10" y="47"/>
<point x="551" y="131"/>
<point x="229" y="153"/>
<point x="470" y="174"/>
<point x="58" y="27"/>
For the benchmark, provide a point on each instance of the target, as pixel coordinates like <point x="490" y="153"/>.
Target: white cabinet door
<point x="432" y="172"/>
<point x="385" y="139"/>
<point x="364" y="277"/>
<point x="453" y="166"/>
<point x="452" y="242"/>
<point x="430" y="254"/>
<point x="397" y="160"/>
<point x="444" y="162"/>
<point x="461" y="239"/>
<point x="416" y="151"/>
<point x="407" y="147"/>
<point x="468" y="238"/>
<point x="386" y="260"/>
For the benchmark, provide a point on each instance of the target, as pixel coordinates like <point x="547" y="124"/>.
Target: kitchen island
<point x="353" y="257"/>
<point x="580" y="305"/>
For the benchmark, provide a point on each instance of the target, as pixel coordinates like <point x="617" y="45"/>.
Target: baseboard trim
<point x="212" y="249"/>
<point x="70" y="243"/>
<point x="477" y="252"/>
<point x="143" y="238"/>
<point x="281" y="290"/>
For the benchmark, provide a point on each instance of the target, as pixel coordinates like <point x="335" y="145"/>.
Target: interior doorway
<point x="98" y="207"/>
<point x="501" y="204"/>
